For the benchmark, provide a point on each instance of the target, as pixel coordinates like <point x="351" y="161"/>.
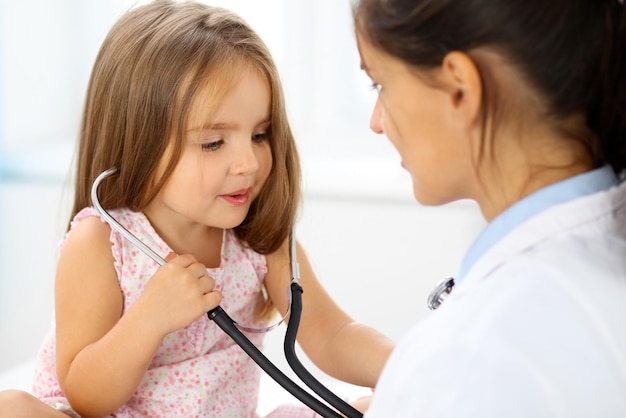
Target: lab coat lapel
<point x="540" y="228"/>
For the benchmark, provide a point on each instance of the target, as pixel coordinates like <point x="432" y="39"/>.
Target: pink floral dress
<point x="198" y="371"/>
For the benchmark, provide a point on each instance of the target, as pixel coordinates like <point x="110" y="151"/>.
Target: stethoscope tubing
<point x="289" y="347"/>
<point x="221" y="318"/>
<point x="116" y="225"/>
<point x="228" y="325"/>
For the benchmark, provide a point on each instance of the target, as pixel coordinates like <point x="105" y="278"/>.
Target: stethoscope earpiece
<point x="440" y="293"/>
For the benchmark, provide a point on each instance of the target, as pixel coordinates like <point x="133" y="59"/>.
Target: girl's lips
<point x="238" y="198"/>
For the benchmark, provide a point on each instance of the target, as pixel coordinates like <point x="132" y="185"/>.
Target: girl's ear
<point x="463" y="83"/>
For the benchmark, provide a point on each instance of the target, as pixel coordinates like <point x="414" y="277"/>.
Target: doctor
<point x="519" y="105"/>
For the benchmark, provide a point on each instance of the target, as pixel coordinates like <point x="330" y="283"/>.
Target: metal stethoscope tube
<point x="440" y="293"/>
<point x="226" y="323"/>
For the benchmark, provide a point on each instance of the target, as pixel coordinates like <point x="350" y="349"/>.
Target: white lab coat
<point x="536" y="329"/>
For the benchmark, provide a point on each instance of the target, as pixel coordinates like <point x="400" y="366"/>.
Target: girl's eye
<point x="260" y="137"/>
<point x="375" y="86"/>
<point x="212" y="146"/>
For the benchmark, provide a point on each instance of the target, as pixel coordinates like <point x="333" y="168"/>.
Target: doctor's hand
<point x="177" y="294"/>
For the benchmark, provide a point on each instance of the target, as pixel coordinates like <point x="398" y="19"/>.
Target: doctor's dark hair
<point x="147" y="73"/>
<point x="571" y="52"/>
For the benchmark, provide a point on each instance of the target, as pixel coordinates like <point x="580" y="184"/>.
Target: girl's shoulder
<point x="124" y="216"/>
<point x="88" y="228"/>
<point x="89" y="219"/>
<point x="85" y="224"/>
<point x="87" y="239"/>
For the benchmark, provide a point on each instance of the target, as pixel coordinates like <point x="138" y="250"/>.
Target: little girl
<point x="184" y="100"/>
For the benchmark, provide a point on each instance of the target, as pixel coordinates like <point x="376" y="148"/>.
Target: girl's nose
<point x="245" y="159"/>
<point x="376" y="120"/>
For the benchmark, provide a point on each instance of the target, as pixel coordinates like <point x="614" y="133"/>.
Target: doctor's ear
<point x="462" y="81"/>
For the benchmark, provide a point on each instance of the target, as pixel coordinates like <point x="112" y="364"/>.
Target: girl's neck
<point x="205" y="245"/>
<point x="201" y="241"/>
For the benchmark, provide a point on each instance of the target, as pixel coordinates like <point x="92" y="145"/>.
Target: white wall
<point x="30" y="225"/>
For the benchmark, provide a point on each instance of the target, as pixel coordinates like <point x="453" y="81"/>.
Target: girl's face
<point x="226" y="158"/>
<point x="415" y="116"/>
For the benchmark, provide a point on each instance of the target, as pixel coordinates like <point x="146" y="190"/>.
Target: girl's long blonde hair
<point x="147" y="72"/>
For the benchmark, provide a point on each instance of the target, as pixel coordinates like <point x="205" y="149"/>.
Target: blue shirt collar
<point x="581" y="185"/>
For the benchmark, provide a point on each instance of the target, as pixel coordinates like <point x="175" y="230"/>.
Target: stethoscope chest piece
<point x="440" y="293"/>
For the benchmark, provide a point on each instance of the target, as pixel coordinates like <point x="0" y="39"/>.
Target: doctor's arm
<point x="338" y="345"/>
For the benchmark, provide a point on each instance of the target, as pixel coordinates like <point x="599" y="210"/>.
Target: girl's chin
<point x="231" y="222"/>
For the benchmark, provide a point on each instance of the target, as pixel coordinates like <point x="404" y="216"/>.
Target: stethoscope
<point x="440" y="293"/>
<point x="230" y="327"/>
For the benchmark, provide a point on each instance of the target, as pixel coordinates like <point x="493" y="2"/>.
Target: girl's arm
<point x="341" y="347"/>
<point x="102" y="355"/>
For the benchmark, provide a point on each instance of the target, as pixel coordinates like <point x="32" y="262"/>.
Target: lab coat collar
<point x="569" y="189"/>
<point x="542" y="227"/>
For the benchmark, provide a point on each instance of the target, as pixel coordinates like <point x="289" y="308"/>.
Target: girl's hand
<point x="179" y="293"/>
